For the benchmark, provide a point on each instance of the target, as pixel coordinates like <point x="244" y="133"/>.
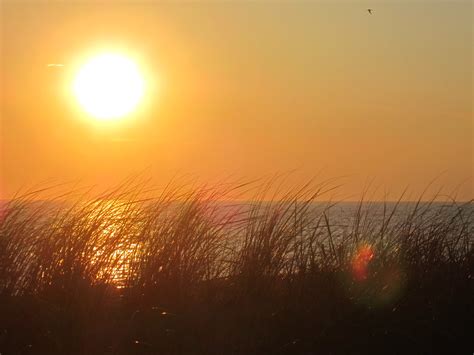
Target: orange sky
<point x="244" y="89"/>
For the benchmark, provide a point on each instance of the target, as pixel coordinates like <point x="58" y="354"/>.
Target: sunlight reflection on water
<point x="117" y="233"/>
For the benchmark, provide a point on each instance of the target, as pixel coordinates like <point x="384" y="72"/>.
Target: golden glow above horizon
<point x="230" y="89"/>
<point x="109" y="86"/>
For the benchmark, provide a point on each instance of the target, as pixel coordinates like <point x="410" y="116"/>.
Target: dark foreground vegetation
<point x="185" y="273"/>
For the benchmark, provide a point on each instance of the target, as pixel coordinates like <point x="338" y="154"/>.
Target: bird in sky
<point x="370" y="11"/>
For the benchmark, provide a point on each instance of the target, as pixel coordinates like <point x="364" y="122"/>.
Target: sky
<point x="244" y="89"/>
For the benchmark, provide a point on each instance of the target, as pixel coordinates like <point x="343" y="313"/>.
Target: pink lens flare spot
<point x="361" y="261"/>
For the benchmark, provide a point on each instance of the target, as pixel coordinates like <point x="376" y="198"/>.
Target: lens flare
<point x="370" y="282"/>
<point x="361" y="261"/>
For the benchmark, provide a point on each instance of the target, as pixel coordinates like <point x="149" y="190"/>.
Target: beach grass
<point x="191" y="269"/>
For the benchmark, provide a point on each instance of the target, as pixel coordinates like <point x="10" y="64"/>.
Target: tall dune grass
<point x="186" y="270"/>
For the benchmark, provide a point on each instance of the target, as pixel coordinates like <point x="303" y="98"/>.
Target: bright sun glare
<point x="109" y="86"/>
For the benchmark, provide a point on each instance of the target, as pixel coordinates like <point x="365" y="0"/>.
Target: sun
<point x="109" y="86"/>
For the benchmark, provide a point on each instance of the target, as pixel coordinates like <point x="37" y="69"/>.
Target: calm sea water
<point x="341" y="213"/>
